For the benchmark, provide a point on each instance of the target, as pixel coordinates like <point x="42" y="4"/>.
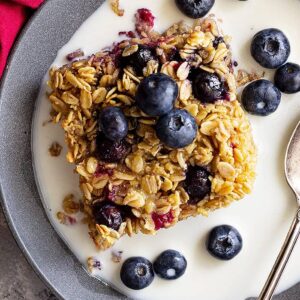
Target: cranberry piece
<point x="144" y="20"/>
<point x="102" y="171"/>
<point x="197" y="183"/>
<point x="110" y="151"/>
<point x="107" y="213"/>
<point x="161" y="220"/>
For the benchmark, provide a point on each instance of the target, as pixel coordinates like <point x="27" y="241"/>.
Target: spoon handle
<point x="282" y="259"/>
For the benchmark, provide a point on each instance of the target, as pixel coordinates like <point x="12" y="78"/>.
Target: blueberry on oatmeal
<point x="270" y="48"/>
<point x="287" y="78"/>
<point x="107" y="213"/>
<point x="109" y="151"/>
<point x="224" y="242"/>
<point x="139" y="59"/>
<point x="177" y="129"/>
<point x="195" y="8"/>
<point x="156" y="94"/>
<point x="137" y="273"/>
<point x="197" y="183"/>
<point x="170" y="265"/>
<point x="261" y="97"/>
<point x="208" y="87"/>
<point x="113" y="123"/>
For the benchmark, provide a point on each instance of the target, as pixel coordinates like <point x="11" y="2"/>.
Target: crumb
<point x="75" y="54"/>
<point x="65" y="219"/>
<point x="55" y="149"/>
<point x="144" y="21"/>
<point x="116" y="256"/>
<point x="70" y="206"/>
<point x="93" y="263"/>
<point x="115" y="5"/>
<point x="243" y="77"/>
<point x="129" y="34"/>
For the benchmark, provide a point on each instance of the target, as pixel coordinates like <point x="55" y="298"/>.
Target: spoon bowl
<point x="292" y="173"/>
<point x="292" y="162"/>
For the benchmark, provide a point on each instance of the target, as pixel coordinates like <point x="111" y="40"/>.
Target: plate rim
<point x="3" y="203"/>
<point x="27" y="254"/>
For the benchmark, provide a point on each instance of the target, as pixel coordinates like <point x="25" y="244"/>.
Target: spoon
<point x="292" y="173"/>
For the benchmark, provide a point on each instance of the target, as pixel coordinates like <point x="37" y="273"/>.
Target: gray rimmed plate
<point x="42" y="37"/>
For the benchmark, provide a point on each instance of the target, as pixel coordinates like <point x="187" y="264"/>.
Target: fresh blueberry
<point x="195" y="8"/>
<point x="113" y="123"/>
<point x="224" y="242"/>
<point x="156" y="94"/>
<point x="139" y="59"/>
<point x="287" y="78"/>
<point x="107" y="213"/>
<point x="177" y="129"/>
<point x="170" y="265"/>
<point x="110" y="151"/>
<point x="137" y="273"/>
<point x="208" y="87"/>
<point x="270" y="48"/>
<point x="197" y="183"/>
<point x="261" y="97"/>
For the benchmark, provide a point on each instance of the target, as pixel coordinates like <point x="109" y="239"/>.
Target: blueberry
<point x="195" y="8"/>
<point x="139" y="59"/>
<point x="113" y="123"/>
<point x="208" y="87"/>
<point x="170" y="264"/>
<point x="110" y="151"/>
<point x="197" y="183"/>
<point x="177" y="129"/>
<point x="270" y="48"/>
<point x="261" y="97"/>
<point x="218" y="40"/>
<point x="156" y="94"/>
<point x="137" y="273"/>
<point x="224" y="242"/>
<point x="107" y="213"/>
<point x="287" y="78"/>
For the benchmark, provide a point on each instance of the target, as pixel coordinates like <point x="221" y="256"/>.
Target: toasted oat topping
<point x="115" y="5"/>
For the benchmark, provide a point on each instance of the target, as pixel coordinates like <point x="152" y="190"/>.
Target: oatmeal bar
<point x="148" y="186"/>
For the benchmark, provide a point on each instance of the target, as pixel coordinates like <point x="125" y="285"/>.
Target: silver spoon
<point x="292" y="173"/>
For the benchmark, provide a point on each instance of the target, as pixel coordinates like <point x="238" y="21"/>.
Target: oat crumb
<point x="115" y="5"/>
<point x="55" y="149"/>
<point x="243" y="77"/>
<point x="65" y="219"/>
<point x="70" y="206"/>
<point x="93" y="264"/>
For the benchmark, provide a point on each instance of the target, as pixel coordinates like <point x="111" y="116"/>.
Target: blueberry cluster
<point x="271" y="49"/>
<point x="224" y="242"/>
<point x="138" y="272"/>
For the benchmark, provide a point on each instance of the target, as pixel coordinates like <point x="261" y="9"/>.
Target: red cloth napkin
<point x="13" y="14"/>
